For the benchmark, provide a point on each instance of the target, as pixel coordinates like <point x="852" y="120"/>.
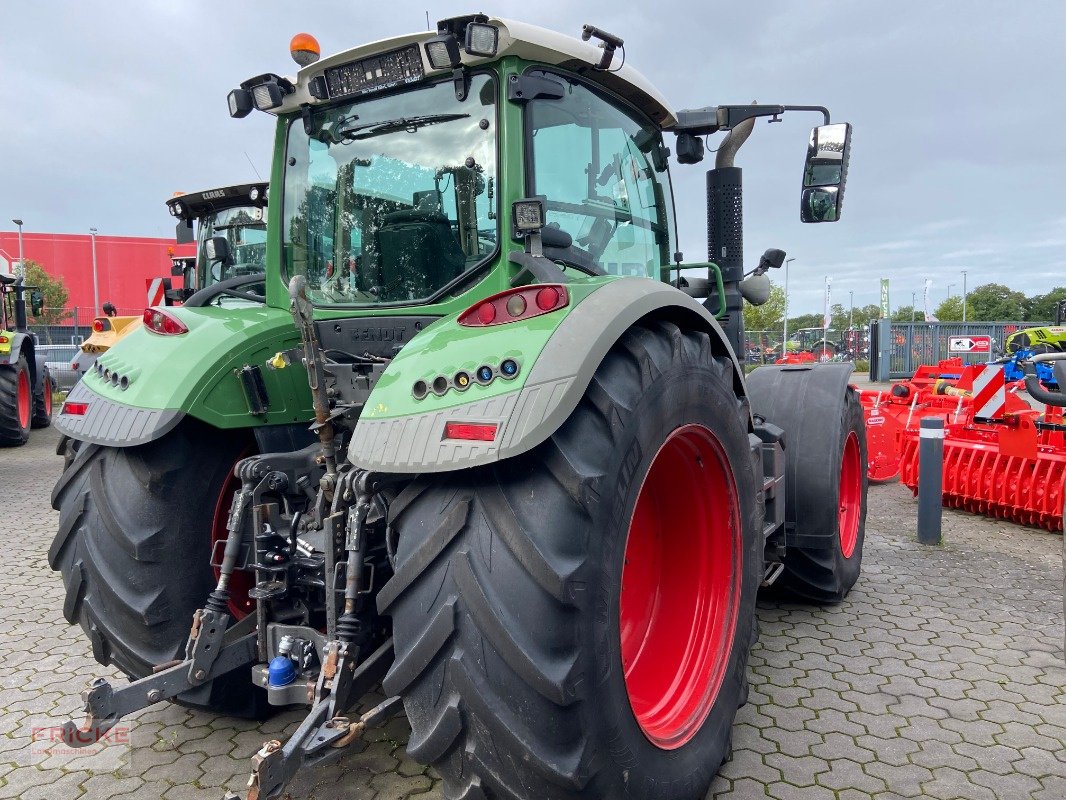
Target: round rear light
<point x="516" y="305"/>
<point x="98" y="325"/>
<point x="486" y="312"/>
<point x="547" y="298"/>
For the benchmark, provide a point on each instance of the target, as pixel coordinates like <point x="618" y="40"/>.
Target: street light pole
<point x="784" y="333"/>
<point x="96" y="284"/>
<point x="22" y="264"/>
<point x="851" y="307"/>
<point x="914" y="302"/>
<point x="964" y="295"/>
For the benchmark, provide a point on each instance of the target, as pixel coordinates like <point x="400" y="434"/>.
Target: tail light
<point x="101" y="324"/>
<point x="76" y="409"/>
<point x="163" y="322"/>
<point x="513" y="305"/>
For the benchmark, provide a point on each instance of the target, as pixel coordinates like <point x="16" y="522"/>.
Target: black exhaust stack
<point x="21" y="323"/>
<point x="725" y="228"/>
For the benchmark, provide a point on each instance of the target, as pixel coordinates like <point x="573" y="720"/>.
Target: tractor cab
<point x="228" y="226"/>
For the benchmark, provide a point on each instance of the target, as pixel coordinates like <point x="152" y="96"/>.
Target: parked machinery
<point x="25" y="382"/>
<point x="538" y="494"/>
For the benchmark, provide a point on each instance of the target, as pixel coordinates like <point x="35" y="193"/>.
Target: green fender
<point x="147" y="383"/>
<point x="558" y="354"/>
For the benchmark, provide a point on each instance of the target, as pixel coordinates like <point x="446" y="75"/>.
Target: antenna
<point x="252" y="165"/>
<point x="427" y="21"/>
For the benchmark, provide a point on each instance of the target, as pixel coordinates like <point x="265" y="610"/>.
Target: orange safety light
<point x="304" y="49"/>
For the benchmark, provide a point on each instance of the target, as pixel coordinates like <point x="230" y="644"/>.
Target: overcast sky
<point x="110" y="107"/>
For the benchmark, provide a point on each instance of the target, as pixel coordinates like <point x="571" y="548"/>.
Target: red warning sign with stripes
<point x="989" y="392"/>
<point x="155" y="291"/>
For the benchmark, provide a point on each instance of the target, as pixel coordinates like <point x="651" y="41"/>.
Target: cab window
<point x="595" y="162"/>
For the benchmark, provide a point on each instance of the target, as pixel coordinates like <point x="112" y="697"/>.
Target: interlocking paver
<point x="941" y="676"/>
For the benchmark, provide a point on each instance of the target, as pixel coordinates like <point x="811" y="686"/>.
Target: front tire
<point x="16" y="403"/>
<point x="529" y="650"/>
<point x="42" y="401"/>
<point x="134" y="549"/>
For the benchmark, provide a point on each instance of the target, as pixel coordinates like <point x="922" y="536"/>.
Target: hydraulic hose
<point x="1036" y="390"/>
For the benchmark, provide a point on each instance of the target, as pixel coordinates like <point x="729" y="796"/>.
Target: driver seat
<point x="418" y="250"/>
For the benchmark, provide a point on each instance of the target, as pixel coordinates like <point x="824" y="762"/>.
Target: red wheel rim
<point x="241" y="581"/>
<point x="24" y="399"/>
<point x="48" y="398"/>
<point x="850" y="496"/>
<point x="680" y="587"/>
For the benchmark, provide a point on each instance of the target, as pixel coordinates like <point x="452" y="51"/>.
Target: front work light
<point x="482" y="40"/>
<point x="267" y="96"/>
<point x="443" y="51"/>
<point x="240" y="103"/>
<point x="527" y="215"/>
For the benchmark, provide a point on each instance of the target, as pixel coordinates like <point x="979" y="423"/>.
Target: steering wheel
<point x="229" y="288"/>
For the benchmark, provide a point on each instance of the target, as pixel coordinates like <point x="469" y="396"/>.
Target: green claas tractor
<point x="230" y="235"/>
<point x="487" y="443"/>
<point x="25" y="384"/>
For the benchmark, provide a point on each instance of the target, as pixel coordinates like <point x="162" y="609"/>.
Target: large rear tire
<point x="826" y="477"/>
<point x="16" y="403"/>
<point x="134" y="549"/>
<point x="576" y="621"/>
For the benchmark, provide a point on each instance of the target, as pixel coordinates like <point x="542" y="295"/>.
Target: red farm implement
<point x="1002" y="457"/>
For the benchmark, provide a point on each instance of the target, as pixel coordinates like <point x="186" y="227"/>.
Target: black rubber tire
<point x="42" y="408"/>
<point x="12" y="432"/>
<point x="134" y="550"/>
<point x="819" y="572"/>
<point x="506" y="592"/>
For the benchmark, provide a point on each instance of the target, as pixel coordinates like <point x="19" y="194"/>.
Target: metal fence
<point x="761" y="347"/>
<point x="905" y="346"/>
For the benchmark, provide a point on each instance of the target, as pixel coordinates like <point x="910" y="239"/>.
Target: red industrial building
<point x="123" y="263"/>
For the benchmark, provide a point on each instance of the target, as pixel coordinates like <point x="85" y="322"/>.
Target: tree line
<point x="990" y="302"/>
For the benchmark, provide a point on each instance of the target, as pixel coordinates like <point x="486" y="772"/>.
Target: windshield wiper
<point x="409" y="124"/>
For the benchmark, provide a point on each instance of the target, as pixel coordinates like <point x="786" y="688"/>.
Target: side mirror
<point x="36" y="303"/>
<point x="217" y="249"/>
<point x="825" y="172"/>
<point x="184" y="233"/>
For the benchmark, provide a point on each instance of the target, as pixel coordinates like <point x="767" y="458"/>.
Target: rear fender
<point x="555" y="374"/>
<point x="147" y="383"/>
<point x="20" y="345"/>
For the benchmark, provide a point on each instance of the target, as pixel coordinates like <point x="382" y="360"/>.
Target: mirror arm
<point x="820" y="109"/>
<point x="703" y="121"/>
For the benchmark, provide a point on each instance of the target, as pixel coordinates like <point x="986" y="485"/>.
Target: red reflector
<point x="77" y="409"/>
<point x="478" y="432"/>
<point x="100" y="325"/>
<point x="163" y="322"/>
<point x="4" y="340"/>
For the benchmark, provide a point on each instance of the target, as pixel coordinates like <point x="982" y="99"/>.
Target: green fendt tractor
<point x="25" y="383"/>
<point x="537" y="495"/>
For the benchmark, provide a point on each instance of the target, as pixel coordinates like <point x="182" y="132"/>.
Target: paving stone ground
<point x="942" y="676"/>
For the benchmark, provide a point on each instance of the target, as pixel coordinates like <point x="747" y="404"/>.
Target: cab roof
<point x="194" y="205"/>
<point x="529" y="42"/>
